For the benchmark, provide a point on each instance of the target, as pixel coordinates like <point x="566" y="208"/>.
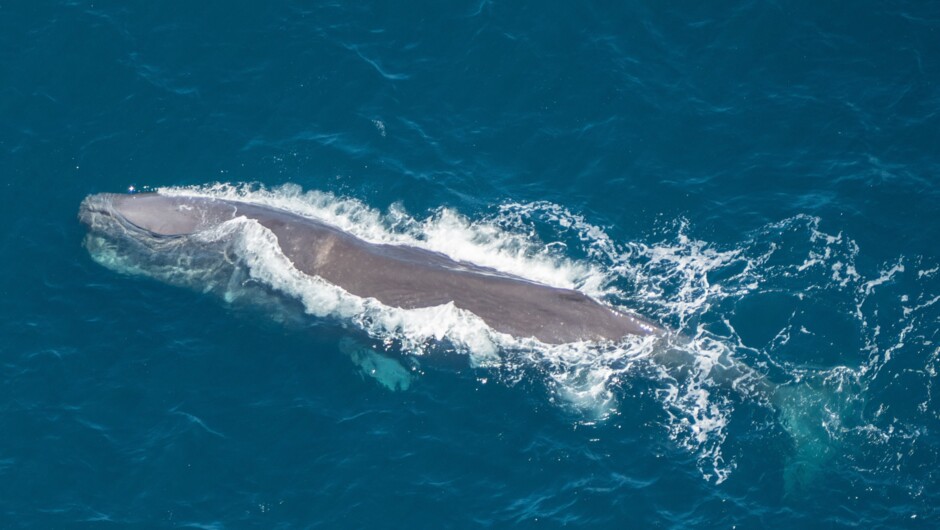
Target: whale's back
<point x="410" y="278"/>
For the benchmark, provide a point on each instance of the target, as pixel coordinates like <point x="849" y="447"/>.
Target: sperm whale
<point x="162" y="236"/>
<point x="399" y="276"/>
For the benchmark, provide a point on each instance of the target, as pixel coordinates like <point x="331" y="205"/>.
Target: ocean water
<point x="759" y="178"/>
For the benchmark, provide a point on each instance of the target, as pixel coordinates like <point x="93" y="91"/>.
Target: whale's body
<point x="396" y="275"/>
<point x="173" y="238"/>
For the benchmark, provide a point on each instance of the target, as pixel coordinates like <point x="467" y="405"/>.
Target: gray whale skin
<point x="395" y="275"/>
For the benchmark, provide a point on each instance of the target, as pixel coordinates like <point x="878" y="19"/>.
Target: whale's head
<point x="154" y="214"/>
<point x="158" y="235"/>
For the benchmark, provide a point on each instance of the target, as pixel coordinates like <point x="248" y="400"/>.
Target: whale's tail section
<point x="814" y="416"/>
<point x="816" y="411"/>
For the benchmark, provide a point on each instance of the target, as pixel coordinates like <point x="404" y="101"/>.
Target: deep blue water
<point x="759" y="177"/>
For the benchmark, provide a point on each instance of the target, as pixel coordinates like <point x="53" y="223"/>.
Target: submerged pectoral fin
<point x="386" y="371"/>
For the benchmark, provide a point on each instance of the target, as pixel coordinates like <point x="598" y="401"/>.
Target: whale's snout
<point x="157" y="214"/>
<point x="95" y="208"/>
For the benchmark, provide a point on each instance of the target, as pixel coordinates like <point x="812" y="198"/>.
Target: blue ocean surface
<point x="760" y="178"/>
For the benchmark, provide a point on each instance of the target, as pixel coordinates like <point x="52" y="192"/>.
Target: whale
<point x="159" y="236"/>
<point x="399" y="276"/>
